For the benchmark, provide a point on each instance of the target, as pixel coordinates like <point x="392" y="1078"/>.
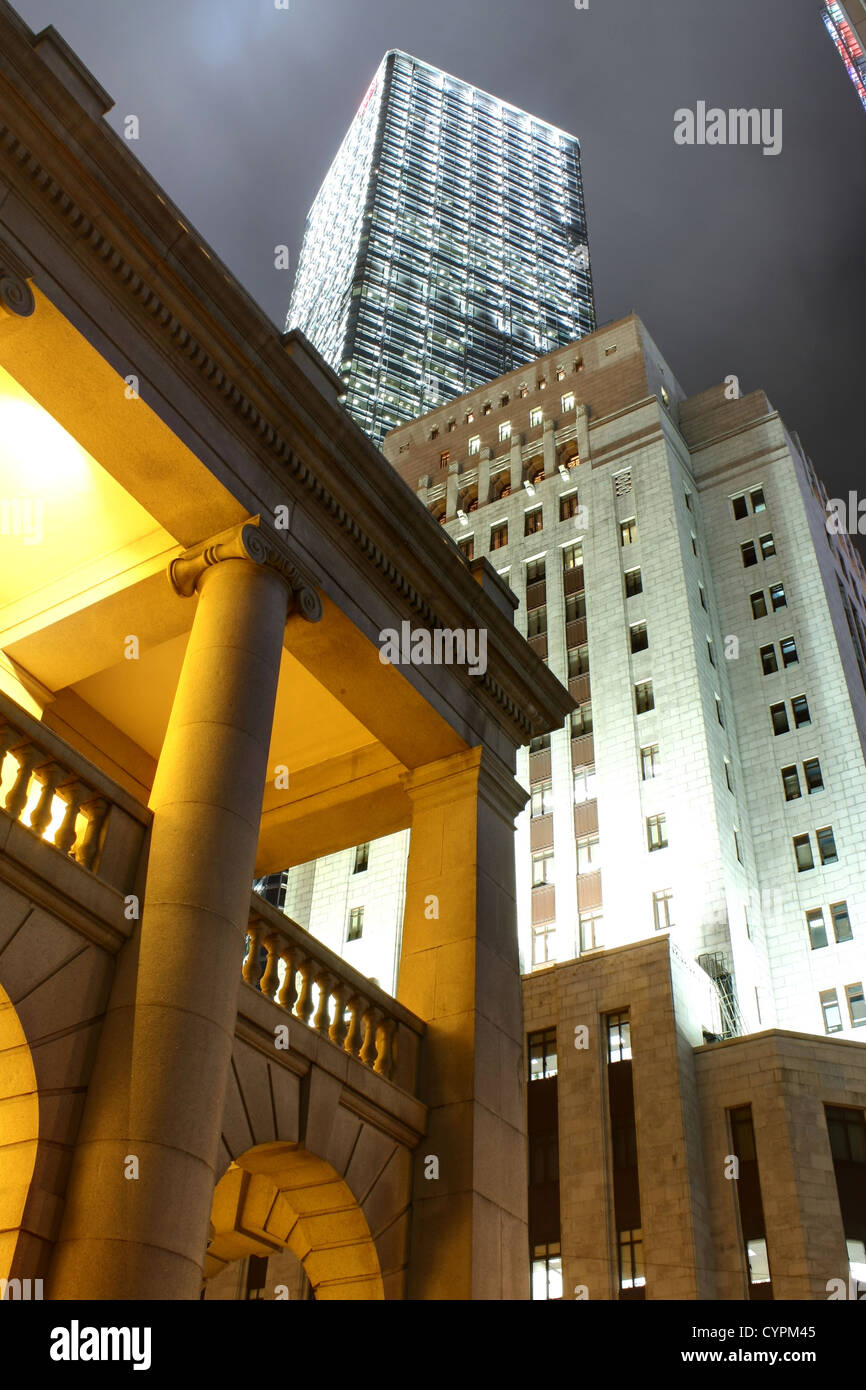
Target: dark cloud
<point x="738" y="262"/>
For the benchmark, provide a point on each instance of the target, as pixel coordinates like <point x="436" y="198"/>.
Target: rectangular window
<point x="539" y="743"/>
<point x="803" y="853"/>
<point x="362" y="858"/>
<point x="628" y="531"/>
<point x="445" y="458"/>
<point x="543" y="943"/>
<point x="590" y="930"/>
<point x="643" y="697"/>
<point x="656" y="832"/>
<point x="356" y="924"/>
<point x="800" y="709"/>
<point x="578" y="661"/>
<point x="567" y="402"/>
<point x="504" y="431"/>
<point x="587" y="853"/>
<point x="768" y="545"/>
<point x="719" y="714"/>
<point x="831" y="1011"/>
<point x="812" y="773"/>
<point x="779" y="716"/>
<point x="568" y="506"/>
<point x="739" y="508"/>
<point x="534" y="571"/>
<point x="777" y="597"/>
<point x="688" y="500"/>
<point x="536" y="622"/>
<point x="541" y="801"/>
<point x="694" y="545"/>
<point x="791" y="783"/>
<point x="618" y="1037"/>
<point x="650" y="762"/>
<point x="533" y="521"/>
<point x="827" y="845"/>
<point x="756" y="497"/>
<point x="663" y="909"/>
<point x="769" y="664"/>
<point x="638" y="637"/>
<point x="541" y="1047"/>
<point x="631" y="1268"/>
<point x="499" y="536"/>
<point x="542" y="868"/>
<point x="749" y="554"/>
<point x="584" y="784"/>
<point x="841" y="922"/>
<point x="759" y="604"/>
<point x="467" y="548"/>
<point x="575" y="607"/>
<point x="572" y="557"/>
<point x="474" y="445"/>
<point x="546" y="1271"/>
<point x="581" y="719"/>
<point x="817" y="928"/>
<point x="633" y="583"/>
<point x="846" y="1130"/>
<point x="856" y="1004"/>
<point x="710" y="652"/>
<point x="788" y="648"/>
<point x="536" y="416"/>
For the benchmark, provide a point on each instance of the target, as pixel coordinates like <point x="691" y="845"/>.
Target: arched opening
<point x="278" y="1198"/>
<point x="19" y="1130"/>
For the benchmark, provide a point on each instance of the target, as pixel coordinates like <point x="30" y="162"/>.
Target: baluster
<point x="49" y="775"/>
<point x="368" y="1051"/>
<point x="305" y="998"/>
<point x="85" y="853"/>
<point x="73" y="793"/>
<point x="384" y="1047"/>
<point x="322" y="1021"/>
<point x="252" y="968"/>
<point x="271" y="978"/>
<point x="357" y="1005"/>
<point x="8" y="738"/>
<point x="27" y="754"/>
<point x="339" y="1027"/>
<point x="288" y="990"/>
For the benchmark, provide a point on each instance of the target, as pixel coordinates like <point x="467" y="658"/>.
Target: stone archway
<point x="19" y="1130"/>
<point x="279" y="1196"/>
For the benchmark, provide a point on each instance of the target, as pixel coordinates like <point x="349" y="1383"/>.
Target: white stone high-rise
<point x="672" y="563"/>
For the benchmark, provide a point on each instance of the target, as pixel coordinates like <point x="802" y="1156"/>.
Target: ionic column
<point x="459" y="972"/>
<point x="144" y="1236"/>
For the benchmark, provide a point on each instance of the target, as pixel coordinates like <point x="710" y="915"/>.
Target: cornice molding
<point x="217" y="380"/>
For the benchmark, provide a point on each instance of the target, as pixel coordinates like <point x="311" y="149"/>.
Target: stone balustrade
<point x="50" y="790"/>
<point x="316" y="986"/>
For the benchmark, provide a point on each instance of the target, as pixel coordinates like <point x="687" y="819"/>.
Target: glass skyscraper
<point x="447" y="245"/>
<point x="848" y="32"/>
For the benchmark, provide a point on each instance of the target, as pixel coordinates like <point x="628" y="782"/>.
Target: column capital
<point x="251" y="540"/>
<point x="477" y="768"/>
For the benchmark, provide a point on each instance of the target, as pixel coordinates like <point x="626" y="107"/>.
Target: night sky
<point x="738" y="262"/>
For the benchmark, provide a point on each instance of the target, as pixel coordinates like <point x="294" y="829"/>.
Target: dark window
<point x="575" y="607"/>
<point x="728" y="780"/>
<point x="788" y="648"/>
<point x="639" y="637"/>
<point x="827" y="845"/>
<point x="800" y="708"/>
<point x="817" y="928"/>
<point x="779" y="716"/>
<point x="803" y="853"/>
<point x="356" y="924"/>
<point x="619" y="1037"/>
<point x="812" y="773"/>
<point x="643" y="697"/>
<point x="719" y="714"/>
<point x="535" y="571"/>
<point x="831" y="1011"/>
<point x="633" y="583"/>
<point x="536" y="622"/>
<point x="757" y="499"/>
<point x="769" y="664"/>
<point x="578" y="660"/>
<point x="777" y="597"/>
<point x="847" y="1132"/>
<point x="759" y="604"/>
<point x="499" y="536"/>
<point x="703" y="597"/>
<point x="628" y="531"/>
<point x="740" y="508"/>
<point x="791" y="783"/>
<point x="841" y="921"/>
<point x="581" y="719"/>
<point x="768" y="545"/>
<point x="467" y="548"/>
<point x="568" y="506"/>
<point x="541" y="1048"/>
<point x="533" y="521"/>
<point x="631" y="1267"/>
<point x="362" y="858"/>
<point x="749" y="554"/>
<point x="539" y="743"/>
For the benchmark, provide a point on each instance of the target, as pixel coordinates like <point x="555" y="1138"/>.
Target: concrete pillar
<point x="459" y="972"/>
<point x="548" y="445"/>
<point x="140" y="1194"/>
<point x="582" y="423"/>
<point x="452" y="491"/>
<point x="516" y="463"/>
<point x="484" y="478"/>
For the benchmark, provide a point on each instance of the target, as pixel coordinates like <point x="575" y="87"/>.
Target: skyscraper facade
<point x="846" y="25"/>
<point x="447" y="244"/>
